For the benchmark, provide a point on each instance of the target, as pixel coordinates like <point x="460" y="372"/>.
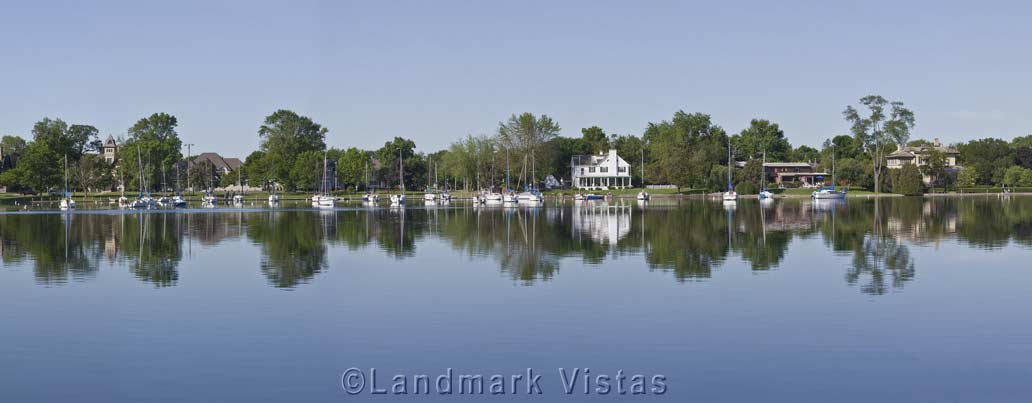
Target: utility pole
<point x="188" y="146"/>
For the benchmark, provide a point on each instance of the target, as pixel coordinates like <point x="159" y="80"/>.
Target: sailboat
<point x="730" y="195"/>
<point x="142" y="200"/>
<point x="399" y="198"/>
<point x="177" y="200"/>
<point x="369" y="197"/>
<point x="508" y="196"/>
<point x="273" y="197"/>
<point x="643" y="195"/>
<point x="66" y="203"/>
<point x="530" y="195"/>
<point x="829" y="192"/>
<point x="122" y="200"/>
<point x="764" y="193"/>
<point x="164" y="201"/>
<point x="238" y="199"/>
<point x="209" y="199"/>
<point x="429" y="195"/>
<point x="323" y="199"/>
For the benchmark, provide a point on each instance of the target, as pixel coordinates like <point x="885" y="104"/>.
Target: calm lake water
<point x="891" y="300"/>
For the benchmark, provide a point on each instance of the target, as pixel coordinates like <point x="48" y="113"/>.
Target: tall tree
<point x="688" y="151"/>
<point x="92" y="173"/>
<point x="83" y="139"/>
<point x="153" y="140"/>
<point x="595" y="138"/>
<point x="988" y="158"/>
<point x="935" y="167"/>
<point x="763" y="136"/>
<point x="285" y="135"/>
<point x="388" y="157"/>
<point x="880" y="128"/>
<point x="630" y="149"/>
<point x="525" y="134"/>
<point x="352" y="167"/>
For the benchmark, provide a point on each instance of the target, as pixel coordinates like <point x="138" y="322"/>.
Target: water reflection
<point x="691" y="239"/>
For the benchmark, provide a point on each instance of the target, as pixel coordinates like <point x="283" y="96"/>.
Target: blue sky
<point x="434" y="71"/>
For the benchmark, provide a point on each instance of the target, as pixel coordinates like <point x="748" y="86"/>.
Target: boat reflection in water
<point x="691" y="239"/>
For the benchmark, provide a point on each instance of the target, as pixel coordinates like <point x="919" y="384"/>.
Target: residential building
<point x="602" y="171"/>
<point x="791" y="174"/>
<point x="919" y="155"/>
<point x="110" y="150"/>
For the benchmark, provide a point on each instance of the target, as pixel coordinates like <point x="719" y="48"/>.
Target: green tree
<point x="805" y="153"/>
<point x="307" y="170"/>
<point x="92" y="173"/>
<point x="967" y="177"/>
<point x="153" y="141"/>
<point x="83" y="139"/>
<point x="850" y="172"/>
<point x="989" y="158"/>
<point x="1023" y="156"/>
<point x="1014" y="176"/>
<point x="284" y="136"/>
<point x="935" y="167"/>
<point x="762" y="136"/>
<point x="389" y="155"/>
<point x="688" y="151"/>
<point x="38" y="168"/>
<point x="879" y="128"/>
<point x="595" y="138"/>
<point x="12" y="147"/>
<point x="560" y="151"/>
<point x="751" y="174"/>
<point x="1022" y="141"/>
<point x="352" y="167"/>
<point x="908" y="181"/>
<point x="630" y="149"/>
<point x="524" y="135"/>
<point x="257" y="170"/>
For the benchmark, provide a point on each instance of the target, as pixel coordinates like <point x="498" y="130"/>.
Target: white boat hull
<point x="828" y="195"/>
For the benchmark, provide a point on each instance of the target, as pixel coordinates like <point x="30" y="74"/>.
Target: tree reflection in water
<point x="690" y="239"/>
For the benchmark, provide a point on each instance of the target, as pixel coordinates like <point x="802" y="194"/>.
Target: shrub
<point x="745" y="188"/>
<point x="908" y="181"/>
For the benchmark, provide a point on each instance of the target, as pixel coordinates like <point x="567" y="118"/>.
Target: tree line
<point x="689" y="151"/>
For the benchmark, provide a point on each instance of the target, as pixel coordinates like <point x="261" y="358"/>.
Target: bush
<point x="966" y="178"/>
<point x="1017" y="176"/>
<point x="908" y="181"/>
<point x="745" y="188"/>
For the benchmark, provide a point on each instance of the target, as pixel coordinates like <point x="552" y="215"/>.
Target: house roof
<point x="110" y="142"/>
<point x="234" y="163"/>
<point x="908" y="152"/>
<point x="224" y="164"/>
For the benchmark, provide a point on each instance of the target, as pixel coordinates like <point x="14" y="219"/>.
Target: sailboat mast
<point x="643" y="167"/>
<point x="322" y="186"/>
<point x="729" y="158"/>
<point x="763" y="172"/>
<point x="401" y="170"/>
<point x="66" y="175"/>
<point x="139" y="162"/>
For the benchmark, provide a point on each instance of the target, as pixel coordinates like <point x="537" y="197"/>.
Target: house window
<point x="591" y="169"/>
<point x="621" y="169"/>
<point x="603" y="169"/>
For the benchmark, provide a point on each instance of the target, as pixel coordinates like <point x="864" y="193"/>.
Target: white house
<point x="601" y="171"/>
<point x="919" y="156"/>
